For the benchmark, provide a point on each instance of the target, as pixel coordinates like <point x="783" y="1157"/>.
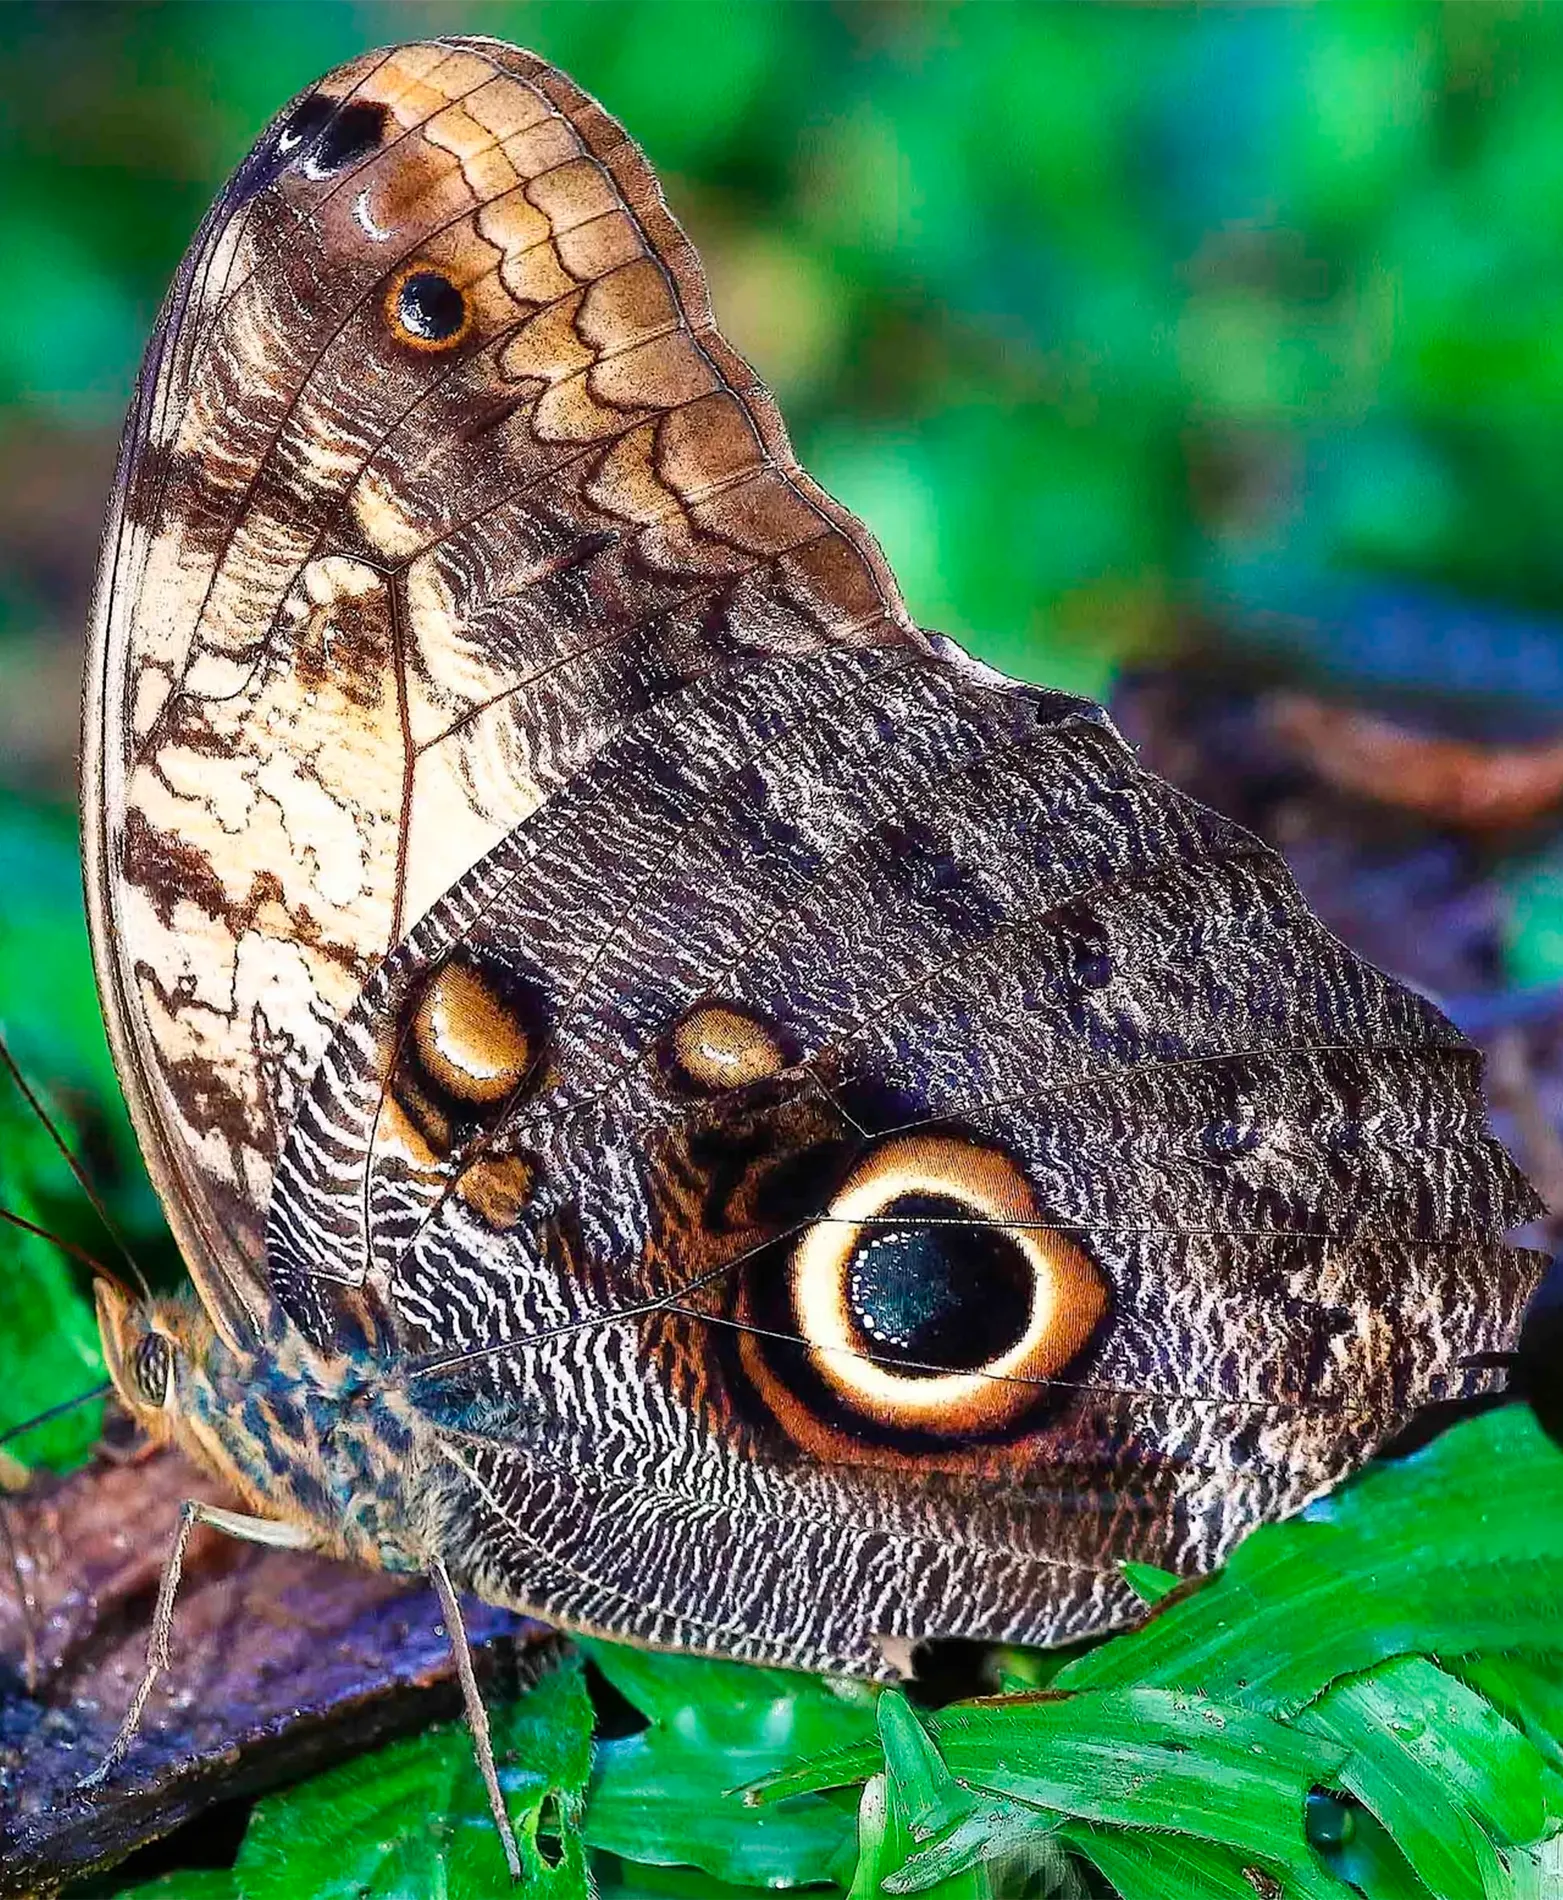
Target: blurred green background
<point x="1110" y="321"/>
<point x="1080" y="306"/>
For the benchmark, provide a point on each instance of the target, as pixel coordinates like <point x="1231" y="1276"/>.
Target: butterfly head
<point x="155" y="1351"/>
<point x="296" y="1436"/>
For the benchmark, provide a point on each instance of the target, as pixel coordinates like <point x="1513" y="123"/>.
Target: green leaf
<point x="992" y="1831"/>
<point x="1528" y="1690"/>
<point x="929" y="1802"/>
<point x="618" y="1879"/>
<point x="1147" y="1758"/>
<point x="1149" y="1582"/>
<point x="886" y="1847"/>
<point x="412" y="1822"/>
<point x="1424" y="1555"/>
<point x="189" y="1884"/>
<point x="927" y="1795"/>
<point x="670" y="1795"/>
<point x="1462" y="1741"/>
<point x="1153" y="1867"/>
<point x="1538" y="1872"/>
<point x="1436" y="1763"/>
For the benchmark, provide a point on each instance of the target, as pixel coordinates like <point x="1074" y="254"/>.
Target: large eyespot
<point x="930" y="1299"/>
<point x="427" y="310"/>
<point x="152" y="1367"/>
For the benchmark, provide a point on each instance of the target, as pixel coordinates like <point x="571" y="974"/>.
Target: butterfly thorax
<point x="315" y="1440"/>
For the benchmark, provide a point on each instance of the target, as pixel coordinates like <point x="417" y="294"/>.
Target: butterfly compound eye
<point x="427" y="310"/>
<point x="932" y="1298"/>
<point x="152" y="1367"/>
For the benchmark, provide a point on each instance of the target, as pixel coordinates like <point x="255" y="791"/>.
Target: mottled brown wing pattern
<point x="816" y="990"/>
<point x="437" y="470"/>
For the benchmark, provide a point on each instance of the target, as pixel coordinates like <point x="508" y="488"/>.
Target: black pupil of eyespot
<point x="151" y="1364"/>
<point x="430" y="306"/>
<point x="929" y="1297"/>
<point x="351" y="132"/>
<point x="308" y="118"/>
<point x="326" y="136"/>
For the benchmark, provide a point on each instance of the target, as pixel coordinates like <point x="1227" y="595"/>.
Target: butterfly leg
<point x="477" y="1715"/>
<point x="253" y="1530"/>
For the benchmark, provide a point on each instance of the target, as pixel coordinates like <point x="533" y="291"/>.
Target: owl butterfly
<point x="692" y="1106"/>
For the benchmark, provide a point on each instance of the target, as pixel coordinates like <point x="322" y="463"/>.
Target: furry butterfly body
<point x="692" y="1107"/>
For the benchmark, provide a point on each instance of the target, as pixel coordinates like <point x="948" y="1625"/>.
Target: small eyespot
<point x="307" y="119"/>
<point x="152" y="1367"/>
<point x="470" y="1042"/>
<point x="349" y="134"/>
<point x="717" y="1046"/>
<point x="466" y="1041"/>
<point x="427" y="310"/>
<point x="498" y="1188"/>
<point x="320" y="137"/>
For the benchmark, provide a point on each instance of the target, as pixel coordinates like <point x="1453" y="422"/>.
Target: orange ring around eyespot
<point x="1068" y="1293"/>
<point x="434" y="345"/>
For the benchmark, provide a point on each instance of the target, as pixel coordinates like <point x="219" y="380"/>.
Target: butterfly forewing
<point x="437" y="468"/>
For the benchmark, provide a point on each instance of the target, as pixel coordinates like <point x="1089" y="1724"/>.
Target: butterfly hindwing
<point x="644" y="1144"/>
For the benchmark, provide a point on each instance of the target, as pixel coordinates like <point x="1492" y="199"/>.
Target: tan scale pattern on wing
<point x="362" y="605"/>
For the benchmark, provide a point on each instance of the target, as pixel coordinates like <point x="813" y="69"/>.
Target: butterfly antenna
<point x="56" y="1411"/>
<point x="83" y="1180"/>
<point x="88" y="1260"/>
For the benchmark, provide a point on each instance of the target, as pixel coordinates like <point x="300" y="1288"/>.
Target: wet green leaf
<point x="193" y="1884"/>
<point x="1529" y="1691"/>
<point x="1427" y="1554"/>
<point x="1147" y="1758"/>
<point x="1149" y="1867"/>
<point x="1438" y="1765"/>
